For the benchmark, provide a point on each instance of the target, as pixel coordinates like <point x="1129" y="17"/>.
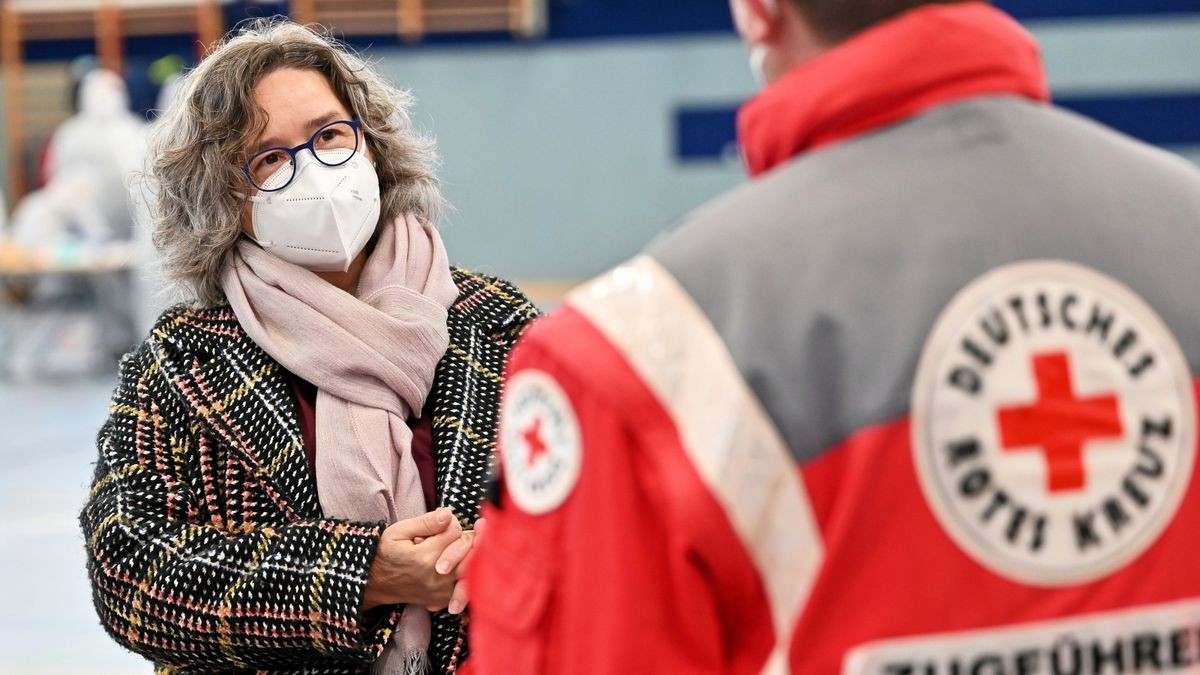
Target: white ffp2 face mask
<point x="325" y="217"/>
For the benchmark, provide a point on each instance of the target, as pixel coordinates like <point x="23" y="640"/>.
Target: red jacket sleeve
<point x="604" y="553"/>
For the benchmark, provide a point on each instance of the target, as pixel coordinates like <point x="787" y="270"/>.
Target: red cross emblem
<point x="533" y="438"/>
<point x="1058" y="423"/>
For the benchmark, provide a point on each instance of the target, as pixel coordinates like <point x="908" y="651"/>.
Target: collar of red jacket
<point x="924" y="58"/>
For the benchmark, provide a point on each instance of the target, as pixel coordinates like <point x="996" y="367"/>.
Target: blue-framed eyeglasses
<point x="273" y="169"/>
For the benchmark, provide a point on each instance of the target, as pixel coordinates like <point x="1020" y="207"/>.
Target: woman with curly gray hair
<point x="291" y="472"/>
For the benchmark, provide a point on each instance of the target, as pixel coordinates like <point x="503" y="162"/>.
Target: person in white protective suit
<point x="99" y="149"/>
<point x="85" y="205"/>
<point x="90" y="160"/>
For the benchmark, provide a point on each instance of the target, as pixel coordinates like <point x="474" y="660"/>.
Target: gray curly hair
<point x="198" y="147"/>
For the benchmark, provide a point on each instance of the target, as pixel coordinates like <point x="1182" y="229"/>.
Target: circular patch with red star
<point x="1053" y="423"/>
<point x="540" y="442"/>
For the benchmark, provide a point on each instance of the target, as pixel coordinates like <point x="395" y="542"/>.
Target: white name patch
<point x="1154" y="639"/>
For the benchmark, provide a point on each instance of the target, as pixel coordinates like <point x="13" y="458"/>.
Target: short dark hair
<point x="836" y="20"/>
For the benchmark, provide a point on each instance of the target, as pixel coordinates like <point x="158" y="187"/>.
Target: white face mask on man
<point x="759" y="52"/>
<point x="324" y="218"/>
<point x="758" y="64"/>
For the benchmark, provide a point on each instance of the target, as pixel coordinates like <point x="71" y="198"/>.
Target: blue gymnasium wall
<point x="564" y="155"/>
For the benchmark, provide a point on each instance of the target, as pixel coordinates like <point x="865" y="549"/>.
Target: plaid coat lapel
<point x="244" y="399"/>
<point x="484" y="323"/>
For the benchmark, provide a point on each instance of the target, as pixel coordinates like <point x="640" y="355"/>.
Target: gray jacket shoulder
<point x="825" y="276"/>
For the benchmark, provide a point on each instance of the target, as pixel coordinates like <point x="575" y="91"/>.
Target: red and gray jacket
<point x="918" y="400"/>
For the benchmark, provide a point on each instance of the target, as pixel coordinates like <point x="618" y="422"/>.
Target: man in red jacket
<point x="918" y="399"/>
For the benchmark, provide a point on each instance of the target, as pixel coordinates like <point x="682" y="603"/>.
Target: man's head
<point x="785" y="33"/>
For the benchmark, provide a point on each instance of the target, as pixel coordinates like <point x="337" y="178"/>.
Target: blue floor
<point x="47" y="449"/>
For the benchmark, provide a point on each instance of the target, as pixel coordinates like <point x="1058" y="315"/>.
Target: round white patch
<point x="1053" y="425"/>
<point x="540" y="442"/>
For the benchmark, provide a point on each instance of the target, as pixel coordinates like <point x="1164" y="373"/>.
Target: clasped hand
<point x="421" y="561"/>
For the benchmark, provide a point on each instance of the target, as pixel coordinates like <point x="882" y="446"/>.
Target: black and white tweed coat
<point x="207" y="548"/>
